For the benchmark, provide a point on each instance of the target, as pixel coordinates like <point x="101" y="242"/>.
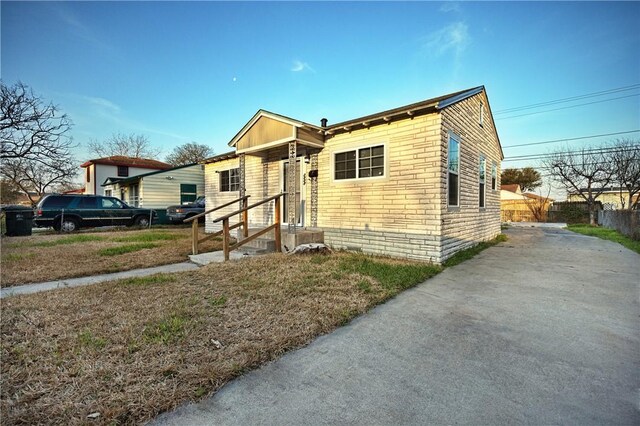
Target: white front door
<point x="299" y="192"/>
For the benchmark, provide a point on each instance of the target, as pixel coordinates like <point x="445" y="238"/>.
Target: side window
<point x="123" y="171"/>
<point x="88" y="173"/>
<point x="481" y="119"/>
<point x="453" y="171"/>
<point x="482" y="178"/>
<point x="58" y="202"/>
<point x="86" y="203"/>
<point x="494" y="176"/>
<point x="360" y="163"/>
<point x="187" y="193"/>
<point x="230" y="180"/>
<point x="111" y="203"/>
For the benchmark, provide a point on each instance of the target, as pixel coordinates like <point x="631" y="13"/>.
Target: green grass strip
<point x="150" y="236"/>
<point x="129" y="248"/>
<point x="394" y="277"/>
<point x="605" y="234"/>
<point x="72" y="239"/>
<point x="467" y="254"/>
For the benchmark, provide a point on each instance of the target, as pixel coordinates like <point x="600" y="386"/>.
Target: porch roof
<point x="267" y="130"/>
<point x="136" y="178"/>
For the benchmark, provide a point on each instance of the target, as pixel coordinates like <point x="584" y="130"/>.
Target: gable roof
<point x="278" y="117"/>
<point x="514" y="187"/>
<point x="536" y="196"/>
<point x="123" y="180"/>
<point x="121" y="160"/>
<point x="418" y="108"/>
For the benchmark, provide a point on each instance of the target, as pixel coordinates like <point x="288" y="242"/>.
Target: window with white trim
<point x="230" y="180"/>
<point x="453" y="171"/>
<point x="359" y="163"/>
<point x="481" y="119"/>
<point x="482" y="180"/>
<point x="494" y="176"/>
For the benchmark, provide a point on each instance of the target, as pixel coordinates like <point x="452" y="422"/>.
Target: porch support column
<point x="314" y="192"/>
<point x="291" y="188"/>
<point x="243" y="190"/>
<point x="266" y="212"/>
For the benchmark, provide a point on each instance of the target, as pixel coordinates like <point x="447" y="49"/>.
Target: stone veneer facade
<point x="405" y="212"/>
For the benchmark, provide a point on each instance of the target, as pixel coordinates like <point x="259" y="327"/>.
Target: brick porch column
<point x="314" y="192"/>
<point x="291" y="188"/>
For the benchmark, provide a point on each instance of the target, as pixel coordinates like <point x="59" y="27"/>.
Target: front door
<point x="299" y="193"/>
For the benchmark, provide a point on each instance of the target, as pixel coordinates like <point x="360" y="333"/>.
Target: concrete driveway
<point x="542" y="329"/>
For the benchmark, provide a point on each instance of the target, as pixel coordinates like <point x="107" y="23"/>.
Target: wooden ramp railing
<point x="226" y="237"/>
<point x="194" y="224"/>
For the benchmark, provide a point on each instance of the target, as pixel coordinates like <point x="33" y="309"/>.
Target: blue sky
<point x="197" y="71"/>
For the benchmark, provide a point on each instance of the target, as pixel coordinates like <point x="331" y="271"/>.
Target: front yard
<point x="51" y="257"/>
<point x="125" y="351"/>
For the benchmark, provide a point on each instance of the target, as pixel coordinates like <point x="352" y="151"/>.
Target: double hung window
<point x="359" y="163"/>
<point x="453" y="171"/>
<point x="482" y="179"/>
<point x="230" y="180"/>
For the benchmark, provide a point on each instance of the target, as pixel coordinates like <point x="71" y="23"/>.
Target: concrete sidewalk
<point x="542" y="329"/>
<point x="82" y="281"/>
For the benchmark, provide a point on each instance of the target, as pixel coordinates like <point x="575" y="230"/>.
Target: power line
<point x="581" y="151"/>
<point x="567" y="107"/>
<point x="572" y="98"/>
<point x="572" y="139"/>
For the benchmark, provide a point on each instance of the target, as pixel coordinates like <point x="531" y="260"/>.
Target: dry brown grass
<point x="132" y="349"/>
<point x="29" y="259"/>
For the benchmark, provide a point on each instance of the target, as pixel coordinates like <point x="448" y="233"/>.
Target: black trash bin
<point x="19" y="220"/>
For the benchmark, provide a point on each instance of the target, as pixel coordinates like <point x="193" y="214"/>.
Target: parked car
<point x="177" y="214"/>
<point x="71" y="212"/>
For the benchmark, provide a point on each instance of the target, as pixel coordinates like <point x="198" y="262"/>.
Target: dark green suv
<point x="68" y="213"/>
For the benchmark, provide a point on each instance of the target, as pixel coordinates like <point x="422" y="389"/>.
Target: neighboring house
<point x="159" y="189"/>
<point x="419" y="181"/>
<point x="518" y="206"/>
<point x="614" y="198"/>
<point x="100" y="169"/>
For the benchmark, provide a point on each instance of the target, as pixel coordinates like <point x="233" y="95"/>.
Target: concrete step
<point x="265" y="245"/>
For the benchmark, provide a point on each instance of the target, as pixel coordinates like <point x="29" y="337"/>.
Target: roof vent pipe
<point x="323" y="122"/>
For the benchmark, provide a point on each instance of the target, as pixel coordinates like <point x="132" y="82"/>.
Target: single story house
<point x="160" y="188"/>
<point x="420" y="181"/>
<point x="117" y="166"/>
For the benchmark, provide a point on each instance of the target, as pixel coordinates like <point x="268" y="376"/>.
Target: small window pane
<point x="377" y="171"/>
<point x="365" y="163"/>
<point x="453" y="189"/>
<point x="345" y="165"/>
<point x="365" y="153"/>
<point x="365" y="173"/>
<point x="378" y="150"/>
<point x="453" y="155"/>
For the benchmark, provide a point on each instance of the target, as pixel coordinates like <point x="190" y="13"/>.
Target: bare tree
<point x="189" y="153"/>
<point x="9" y="191"/>
<point x="30" y="128"/>
<point x="586" y="172"/>
<point x="132" y="145"/>
<point x="625" y="158"/>
<point x="538" y="204"/>
<point x="36" y="179"/>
